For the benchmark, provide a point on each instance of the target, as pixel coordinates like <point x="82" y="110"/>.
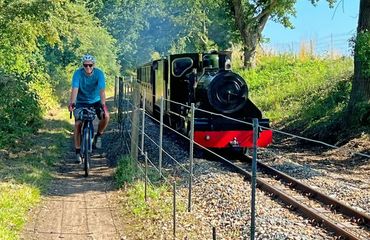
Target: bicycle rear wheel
<point x="86" y="153"/>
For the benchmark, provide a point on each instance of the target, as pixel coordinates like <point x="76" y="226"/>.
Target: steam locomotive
<point x="205" y="79"/>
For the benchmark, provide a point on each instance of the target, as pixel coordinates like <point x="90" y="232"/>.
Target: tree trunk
<point x="250" y="41"/>
<point x="360" y="92"/>
<point x="250" y="28"/>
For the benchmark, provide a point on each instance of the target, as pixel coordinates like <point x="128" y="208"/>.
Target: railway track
<point x="322" y="210"/>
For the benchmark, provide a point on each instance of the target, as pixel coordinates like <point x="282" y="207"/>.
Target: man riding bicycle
<point x="88" y="90"/>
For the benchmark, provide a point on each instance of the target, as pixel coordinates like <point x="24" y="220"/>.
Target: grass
<point x="26" y="169"/>
<point x="304" y="95"/>
<point x="152" y="219"/>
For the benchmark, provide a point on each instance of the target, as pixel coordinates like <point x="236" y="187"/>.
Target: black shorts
<point x="97" y="106"/>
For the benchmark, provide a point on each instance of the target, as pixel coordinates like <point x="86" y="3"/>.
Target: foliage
<point x="306" y="94"/>
<point x="125" y="20"/>
<point x="159" y="27"/>
<point x="363" y="52"/>
<point x="19" y="111"/>
<point x="126" y="170"/>
<point x="40" y="46"/>
<point x="156" y="196"/>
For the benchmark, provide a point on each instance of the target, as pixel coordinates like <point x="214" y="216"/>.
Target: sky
<point x="326" y="28"/>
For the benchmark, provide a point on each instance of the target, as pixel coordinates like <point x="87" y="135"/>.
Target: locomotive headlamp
<point x="207" y="137"/>
<point x="228" y="64"/>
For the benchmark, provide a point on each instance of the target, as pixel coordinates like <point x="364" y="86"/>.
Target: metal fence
<point x="331" y="45"/>
<point x="133" y="119"/>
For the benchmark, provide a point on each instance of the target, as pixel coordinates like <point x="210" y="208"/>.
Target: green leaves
<point x="363" y="52"/>
<point x="41" y="42"/>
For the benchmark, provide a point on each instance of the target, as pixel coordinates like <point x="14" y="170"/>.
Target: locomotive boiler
<point x="221" y="95"/>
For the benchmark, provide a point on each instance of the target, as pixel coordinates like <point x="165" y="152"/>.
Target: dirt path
<point x="76" y="207"/>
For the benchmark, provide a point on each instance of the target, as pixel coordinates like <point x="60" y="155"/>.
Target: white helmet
<point x="87" y="57"/>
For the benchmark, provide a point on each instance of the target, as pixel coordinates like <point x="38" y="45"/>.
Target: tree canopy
<point x="41" y="43"/>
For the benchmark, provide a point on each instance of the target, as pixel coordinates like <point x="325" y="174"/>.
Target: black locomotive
<point x="205" y="79"/>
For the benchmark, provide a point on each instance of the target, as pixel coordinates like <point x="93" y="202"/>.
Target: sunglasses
<point x="88" y="65"/>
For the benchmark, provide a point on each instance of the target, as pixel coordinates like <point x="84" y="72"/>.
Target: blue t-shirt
<point x="88" y="86"/>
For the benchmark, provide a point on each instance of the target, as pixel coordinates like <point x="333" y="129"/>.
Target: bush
<point x="126" y="170"/>
<point x="20" y="112"/>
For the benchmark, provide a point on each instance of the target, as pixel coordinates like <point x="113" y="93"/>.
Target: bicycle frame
<point x="87" y="132"/>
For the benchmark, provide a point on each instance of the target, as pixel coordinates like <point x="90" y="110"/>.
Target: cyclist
<point x="88" y="90"/>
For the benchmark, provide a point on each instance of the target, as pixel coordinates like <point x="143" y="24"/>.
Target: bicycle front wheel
<point x="86" y="153"/>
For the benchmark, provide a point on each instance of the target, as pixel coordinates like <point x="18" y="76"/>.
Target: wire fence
<point x="331" y="45"/>
<point x="152" y="154"/>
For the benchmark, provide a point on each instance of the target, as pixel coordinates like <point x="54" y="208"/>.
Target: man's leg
<point x="77" y="134"/>
<point x="77" y="138"/>
<point x="103" y="123"/>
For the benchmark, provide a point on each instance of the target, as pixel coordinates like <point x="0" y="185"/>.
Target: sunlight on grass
<point x="287" y="88"/>
<point x="15" y="202"/>
<point x="26" y="170"/>
<point x="159" y="201"/>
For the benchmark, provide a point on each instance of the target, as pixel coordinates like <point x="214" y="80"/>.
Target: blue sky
<point x="326" y="27"/>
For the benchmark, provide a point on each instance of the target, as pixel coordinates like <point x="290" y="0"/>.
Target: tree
<point x="358" y="108"/>
<point x="251" y="17"/>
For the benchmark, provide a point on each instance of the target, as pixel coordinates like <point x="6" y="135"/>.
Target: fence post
<point x="191" y="154"/>
<point x="120" y="100"/>
<point x="174" y="209"/>
<point x="115" y="91"/>
<point x="124" y="114"/>
<point x="143" y="125"/>
<point x="134" y="120"/>
<point x="161" y="137"/>
<point x="254" y="178"/>
<point x="146" y="177"/>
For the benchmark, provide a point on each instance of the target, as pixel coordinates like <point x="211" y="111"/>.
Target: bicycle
<point x="87" y="116"/>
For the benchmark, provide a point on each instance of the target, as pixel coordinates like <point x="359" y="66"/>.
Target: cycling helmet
<point x="87" y="57"/>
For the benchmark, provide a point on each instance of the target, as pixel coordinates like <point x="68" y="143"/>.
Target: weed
<point x="126" y="170"/>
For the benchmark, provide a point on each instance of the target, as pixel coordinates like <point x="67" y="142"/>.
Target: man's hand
<point x="71" y="106"/>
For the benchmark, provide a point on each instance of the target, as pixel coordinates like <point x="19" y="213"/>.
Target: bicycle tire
<point x="86" y="153"/>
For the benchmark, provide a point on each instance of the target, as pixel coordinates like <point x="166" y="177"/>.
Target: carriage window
<point x="181" y="65"/>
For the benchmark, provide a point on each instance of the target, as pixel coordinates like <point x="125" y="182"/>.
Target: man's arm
<point x="102" y="96"/>
<point x="103" y="103"/>
<point x="72" y="100"/>
<point x="73" y="95"/>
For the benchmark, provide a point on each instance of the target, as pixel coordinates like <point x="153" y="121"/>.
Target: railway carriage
<point x="205" y="79"/>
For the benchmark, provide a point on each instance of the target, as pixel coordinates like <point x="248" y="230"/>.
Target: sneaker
<point x="97" y="142"/>
<point x="78" y="159"/>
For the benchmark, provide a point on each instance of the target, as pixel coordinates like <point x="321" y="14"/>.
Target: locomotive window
<point x="181" y="65"/>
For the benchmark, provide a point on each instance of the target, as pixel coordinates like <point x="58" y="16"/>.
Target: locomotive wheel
<point x="227" y="92"/>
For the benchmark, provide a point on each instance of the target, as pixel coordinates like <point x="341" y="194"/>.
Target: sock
<point x="78" y="150"/>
